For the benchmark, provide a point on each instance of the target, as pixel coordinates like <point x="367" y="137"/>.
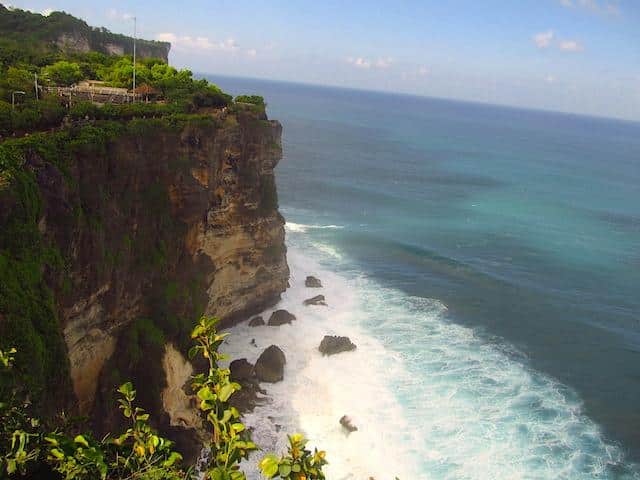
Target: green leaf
<point x="269" y="465"/>
<point x="205" y="394"/>
<point x="173" y="458"/>
<point x="284" y="470"/>
<point x="80" y="440"/>
<point x="127" y="390"/>
<point x="226" y="392"/>
<point x="57" y="453"/>
<point x="237" y="427"/>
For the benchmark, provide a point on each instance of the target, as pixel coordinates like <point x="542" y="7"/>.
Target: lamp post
<point x="35" y="76"/>
<point x="13" y="98"/>
<point x="134" y="58"/>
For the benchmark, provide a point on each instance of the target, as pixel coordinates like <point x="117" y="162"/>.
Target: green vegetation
<point x="257" y="102"/>
<point x="33" y="37"/>
<point x="297" y="463"/>
<point x="139" y="452"/>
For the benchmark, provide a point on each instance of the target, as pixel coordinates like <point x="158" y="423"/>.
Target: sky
<point x="578" y="56"/>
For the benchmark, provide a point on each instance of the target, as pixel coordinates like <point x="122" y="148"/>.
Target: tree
<point x="63" y="73"/>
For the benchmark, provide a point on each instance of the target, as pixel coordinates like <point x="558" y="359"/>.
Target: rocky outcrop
<point x="312" y="282"/>
<point x="175" y="402"/>
<point x="280" y="317"/>
<point x="241" y="370"/>
<point x="347" y="424"/>
<point x="331" y="345"/>
<point x="317" y="300"/>
<point x="256" y="321"/>
<point x="270" y="365"/>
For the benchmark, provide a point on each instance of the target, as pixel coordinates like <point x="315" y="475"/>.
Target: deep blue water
<point x="525" y="224"/>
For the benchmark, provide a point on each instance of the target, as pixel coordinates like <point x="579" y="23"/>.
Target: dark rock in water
<point x="270" y="365"/>
<point x="312" y="282"/>
<point x="241" y="370"/>
<point x="253" y="342"/>
<point x="317" y="300"/>
<point x="331" y="345"/>
<point x="280" y="317"/>
<point x="256" y="322"/>
<point x="347" y="424"/>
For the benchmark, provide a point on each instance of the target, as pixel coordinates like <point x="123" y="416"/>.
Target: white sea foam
<point x="431" y="399"/>
<point x="302" y="228"/>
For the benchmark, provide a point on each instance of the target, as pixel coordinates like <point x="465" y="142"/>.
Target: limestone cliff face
<point x="160" y="224"/>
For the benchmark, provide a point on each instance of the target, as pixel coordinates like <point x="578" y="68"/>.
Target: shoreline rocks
<point x="317" y="300"/>
<point x="331" y="345"/>
<point x="280" y="317"/>
<point x="241" y="370"/>
<point x="312" y="282"/>
<point x="347" y="424"/>
<point x="256" y="321"/>
<point x="270" y="365"/>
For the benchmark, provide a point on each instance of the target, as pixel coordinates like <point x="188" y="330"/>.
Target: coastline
<point x="430" y="394"/>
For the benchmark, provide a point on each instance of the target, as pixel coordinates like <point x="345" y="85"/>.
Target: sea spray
<point x="431" y="399"/>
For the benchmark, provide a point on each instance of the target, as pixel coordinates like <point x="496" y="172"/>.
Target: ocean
<point x="485" y="260"/>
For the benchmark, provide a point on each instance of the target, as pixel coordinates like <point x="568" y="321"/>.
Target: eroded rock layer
<point x="157" y="224"/>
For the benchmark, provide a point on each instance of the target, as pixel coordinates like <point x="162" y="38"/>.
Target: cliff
<point x="60" y="31"/>
<point x="116" y="236"/>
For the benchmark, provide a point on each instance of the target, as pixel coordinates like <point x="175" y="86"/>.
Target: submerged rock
<point x="317" y="300"/>
<point x="270" y="365"/>
<point x="347" y="424"/>
<point x="256" y="321"/>
<point x="312" y="282"/>
<point x="330" y="345"/>
<point x="280" y="317"/>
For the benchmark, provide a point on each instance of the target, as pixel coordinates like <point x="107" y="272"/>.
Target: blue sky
<point x="579" y="56"/>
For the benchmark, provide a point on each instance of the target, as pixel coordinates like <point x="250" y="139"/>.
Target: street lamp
<point x="13" y="98"/>
<point x="134" y="58"/>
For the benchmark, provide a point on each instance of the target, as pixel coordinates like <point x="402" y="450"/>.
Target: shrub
<point x="138" y="453"/>
<point x="299" y="463"/>
<point x="252" y="99"/>
<point x="229" y="442"/>
<point x="63" y="73"/>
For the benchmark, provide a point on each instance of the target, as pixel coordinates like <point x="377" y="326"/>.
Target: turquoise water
<point x="496" y="252"/>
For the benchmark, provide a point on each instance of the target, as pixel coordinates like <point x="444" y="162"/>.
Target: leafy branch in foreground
<point x="138" y="453"/>
<point x="230" y="442"/>
<point x="298" y="464"/>
<point x="20" y="433"/>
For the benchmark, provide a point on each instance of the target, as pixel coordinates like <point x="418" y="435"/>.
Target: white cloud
<point x="114" y="14"/>
<point x="543" y="39"/>
<point x="423" y="71"/>
<point x="252" y="52"/>
<point x="570" y="46"/>
<point x="384" y="62"/>
<point x="596" y="6"/>
<point x="360" y="62"/>
<point x="546" y="40"/>
<point x="186" y="42"/>
<point x="549" y="79"/>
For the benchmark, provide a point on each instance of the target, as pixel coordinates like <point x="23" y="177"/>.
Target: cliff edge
<point x="118" y="235"/>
